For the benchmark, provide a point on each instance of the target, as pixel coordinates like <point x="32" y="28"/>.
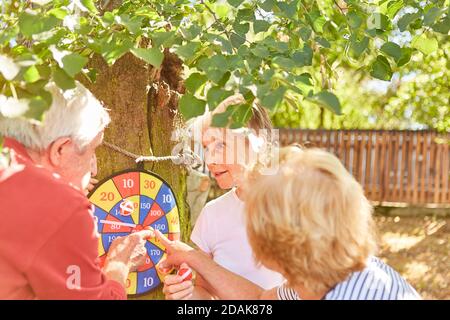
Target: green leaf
<point x="267" y="5"/>
<point x="304" y="57"/>
<point x="241" y="28"/>
<point x="192" y="32"/>
<point x="36" y="87"/>
<point x="112" y="51"/>
<point x="235" y="3"/>
<point x="304" y="84"/>
<point x="31" y="24"/>
<point x="358" y="47"/>
<point x="260" y="26"/>
<point x="221" y="10"/>
<point x="56" y="37"/>
<point x="216" y="95"/>
<point x="152" y="56"/>
<point x="378" y="21"/>
<point x="62" y="79"/>
<point x="405" y="57"/>
<point x="31" y="74"/>
<point x="221" y="120"/>
<point x="238" y="115"/>
<point x="288" y="8"/>
<point x="73" y="63"/>
<point x="284" y="63"/>
<point x="328" y="100"/>
<point x="217" y="61"/>
<point x="245" y="15"/>
<point x="165" y="39"/>
<point x="381" y="69"/>
<point x="354" y="20"/>
<point x="392" y="49"/>
<point x="305" y="33"/>
<point x="407" y="19"/>
<point x="424" y="44"/>
<point x="191" y="107"/>
<point x="92" y="75"/>
<point x="393" y="8"/>
<point x="226" y="76"/>
<point x="323" y="42"/>
<point x="260" y="51"/>
<point x="59" y="13"/>
<point x="195" y="81"/>
<point x="241" y="114"/>
<point x="44" y="71"/>
<point x="431" y="16"/>
<point x="442" y="26"/>
<point x="278" y="46"/>
<point x="38" y="106"/>
<point x="216" y="75"/>
<point x="132" y="24"/>
<point x="237" y="40"/>
<point x="90" y="5"/>
<point x="187" y="51"/>
<point x="268" y="74"/>
<point x="273" y="98"/>
<point x="317" y="21"/>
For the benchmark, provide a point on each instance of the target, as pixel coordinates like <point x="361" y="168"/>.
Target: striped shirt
<point x="377" y="281"/>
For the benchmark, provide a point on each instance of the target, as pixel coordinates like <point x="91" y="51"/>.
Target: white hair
<point x="74" y="113"/>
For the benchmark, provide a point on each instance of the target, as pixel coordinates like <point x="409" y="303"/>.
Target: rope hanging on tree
<point x="186" y="157"/>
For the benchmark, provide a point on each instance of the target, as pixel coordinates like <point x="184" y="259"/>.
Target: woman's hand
<point x="177" y="288"/>
<point x="177" y="252"/>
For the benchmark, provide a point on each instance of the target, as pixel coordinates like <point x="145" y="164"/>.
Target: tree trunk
<point x="143" y="108"/>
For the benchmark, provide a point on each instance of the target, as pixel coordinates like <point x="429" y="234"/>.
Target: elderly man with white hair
<point x="48" y="235"/>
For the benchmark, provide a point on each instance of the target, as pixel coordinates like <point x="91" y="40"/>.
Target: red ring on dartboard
<point x="129" y="201"/>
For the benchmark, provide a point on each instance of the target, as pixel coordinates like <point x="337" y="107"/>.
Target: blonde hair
<point x="74" y="113"/>
<point x="311" y="219"/>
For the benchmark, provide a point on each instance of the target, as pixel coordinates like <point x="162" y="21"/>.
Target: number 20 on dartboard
<point x="127" y="202"/>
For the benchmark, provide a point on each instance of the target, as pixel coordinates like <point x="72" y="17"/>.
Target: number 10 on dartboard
<point x="127" y="202"/>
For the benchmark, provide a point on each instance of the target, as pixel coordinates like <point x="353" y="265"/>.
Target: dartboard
<point x="127" y="202"/>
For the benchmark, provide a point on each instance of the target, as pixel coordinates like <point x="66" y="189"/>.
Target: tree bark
<point x="143" y="108"/>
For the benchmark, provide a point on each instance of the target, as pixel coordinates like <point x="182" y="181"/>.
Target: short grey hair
<point x="74" y="113"/>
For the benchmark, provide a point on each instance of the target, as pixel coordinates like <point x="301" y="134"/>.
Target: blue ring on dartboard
<point x="129" y="201"/>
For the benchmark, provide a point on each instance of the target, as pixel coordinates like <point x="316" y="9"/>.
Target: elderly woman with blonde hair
<point x="312" y="223"/>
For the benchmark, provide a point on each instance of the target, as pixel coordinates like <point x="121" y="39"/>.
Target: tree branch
<point x="216" y="19"/>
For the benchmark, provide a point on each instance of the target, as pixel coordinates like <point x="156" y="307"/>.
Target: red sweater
<point x="48" y="236"/>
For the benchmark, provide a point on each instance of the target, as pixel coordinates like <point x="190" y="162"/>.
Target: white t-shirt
<point x="220" y="230"/>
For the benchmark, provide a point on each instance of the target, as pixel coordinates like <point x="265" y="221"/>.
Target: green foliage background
<point x="292" y="55"/>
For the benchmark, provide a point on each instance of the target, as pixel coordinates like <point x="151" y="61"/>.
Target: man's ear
<point x="58" y="149"/>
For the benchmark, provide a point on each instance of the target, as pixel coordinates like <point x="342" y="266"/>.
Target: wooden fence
<point x="393" y="166"/>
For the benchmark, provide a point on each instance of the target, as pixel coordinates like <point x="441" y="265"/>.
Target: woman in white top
<point x="220" y="230"/>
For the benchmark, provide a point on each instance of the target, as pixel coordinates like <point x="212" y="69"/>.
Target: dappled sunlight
<point x="418" y="247"/>
<point x="416" y="270"/>
<point x="396" y="242"/>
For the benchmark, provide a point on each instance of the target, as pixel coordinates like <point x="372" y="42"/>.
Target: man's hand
<point x="126" y="254"/>
<point x="91" y="186"/>
<point x="177" y="288"/>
